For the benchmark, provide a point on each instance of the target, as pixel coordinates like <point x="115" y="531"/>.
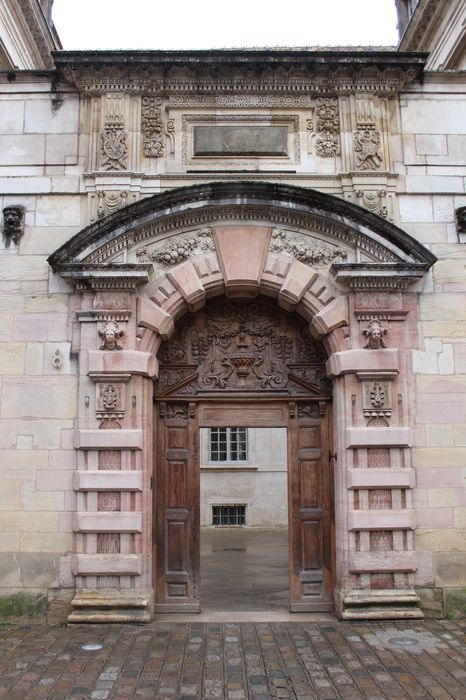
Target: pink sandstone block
<point x="330" y="317"/>
<point x="107" y="480"/>
<point x="123" y="439"/>
<point x="54" y="480"/>
<point x="187" y="282"/>
<point x="379" y="437"/>
<point x="428" y="518"/>
<point x="123" y="362"/>
<point x="382" y="561"/>
<point x="441" y="477"/>
<point x="106" y="564"/>
<point x="242" y="251"/>
<point x="154" y="317"/>
<point x="381" y="520"/>
<point x="362" y="360"/>
<point x="298" y="279"/>
<point x="114" y="521"/>
<point x="380" y="478"/>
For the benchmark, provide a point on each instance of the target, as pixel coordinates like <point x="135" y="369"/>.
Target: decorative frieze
<point x="303" y="249"/>
<point x="152" y="127"/>
<point x="327" y="127"/>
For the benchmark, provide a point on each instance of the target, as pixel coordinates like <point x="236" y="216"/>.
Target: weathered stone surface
<point x="230" y="141"/>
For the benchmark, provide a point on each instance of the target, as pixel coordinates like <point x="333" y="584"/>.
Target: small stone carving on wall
<point x="374" y="334"/>
<point x="152" y="127"/>
<point x="110" y="400"/>
<point x="377" y="399"/>
<point x="110" y="334"/>
<point x="13" y="225"/>
<point x="327" y="127"/>
<point x="114" y="144"/>
<point x="461" y="219"/>
<point x="110" y="201"/>
<point x="367" y="146"/>
<point x="374" y="201"/>
<point x="307" y="252"/>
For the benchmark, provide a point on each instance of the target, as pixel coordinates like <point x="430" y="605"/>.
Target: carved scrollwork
<point x="308" y="410"/>
<point x="242" y="347"/>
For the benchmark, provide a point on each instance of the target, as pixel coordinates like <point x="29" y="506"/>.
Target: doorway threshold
<point x="246" y="616"/>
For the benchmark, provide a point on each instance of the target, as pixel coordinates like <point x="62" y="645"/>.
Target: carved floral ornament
<point x="305" y="250"/>
<point x="180" y="249"/>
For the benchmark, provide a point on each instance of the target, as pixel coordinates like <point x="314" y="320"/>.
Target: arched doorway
<point x="250" y="364"/>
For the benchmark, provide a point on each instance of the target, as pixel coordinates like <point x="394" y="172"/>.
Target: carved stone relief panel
<point x="242" y="347"/>
<point x="367" y="137"/>
<point x="377" y="399"/>
<point x="114" y="144"/>
<point x="110" y="400"/>
<point x="152" y="127"/>
<point x="179" y="249"/>
<point x="327" y="127"/>
<point x="305" y="249"/>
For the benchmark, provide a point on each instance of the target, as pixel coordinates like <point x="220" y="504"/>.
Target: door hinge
<point x="332" y="455"/>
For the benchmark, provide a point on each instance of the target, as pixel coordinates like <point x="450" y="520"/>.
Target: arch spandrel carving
<point x="236" y="348"/>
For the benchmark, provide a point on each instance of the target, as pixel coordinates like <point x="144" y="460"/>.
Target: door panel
<point x="176" y="501"/>
<point x="310" y="515"/>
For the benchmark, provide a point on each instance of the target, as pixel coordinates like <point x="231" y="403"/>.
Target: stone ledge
<point x="108" y="480"/>
<point x="97" y="616"/>
<point x="379" y="437"/>
<point x="363" y="360"/>
<point x="122" y="361"/>
<point x="106" y="564"/>
<point x="112" y="439"/>
<point x="114" y="521"/>
<point x="381" y="520"/>
<point x="111" y="598"/>
<point x="388" y="561"/>
<point x="380" y="478"/>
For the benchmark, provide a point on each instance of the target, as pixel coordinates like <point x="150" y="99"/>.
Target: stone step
<point x="109" y="598"/>
<point x="382" y="613"/>
<point x="96" y="615"/>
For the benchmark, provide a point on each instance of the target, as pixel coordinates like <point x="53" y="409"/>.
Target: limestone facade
<point x="332" y="182"/>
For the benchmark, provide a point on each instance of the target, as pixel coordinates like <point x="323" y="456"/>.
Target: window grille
<point x="232" y="515"/>
<point x="228" y="445"/>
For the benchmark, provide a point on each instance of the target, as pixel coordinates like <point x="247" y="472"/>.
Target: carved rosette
<point x="327" y="127"/>
<point x="241" y="347"/>
<point x="114" y="145"/>
<point x="152" y="127"/>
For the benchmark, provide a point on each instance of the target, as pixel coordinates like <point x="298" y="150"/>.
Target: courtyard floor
<point x="325" y="659"/>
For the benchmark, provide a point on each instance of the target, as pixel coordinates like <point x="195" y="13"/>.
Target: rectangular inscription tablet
<point x="240" y="141"/>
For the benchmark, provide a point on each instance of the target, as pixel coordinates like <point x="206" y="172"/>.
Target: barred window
<point x="229" y="515"/>
<point x="227" y="445"/>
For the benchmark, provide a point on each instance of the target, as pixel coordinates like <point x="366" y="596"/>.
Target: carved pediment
<point x="242" y="347"/>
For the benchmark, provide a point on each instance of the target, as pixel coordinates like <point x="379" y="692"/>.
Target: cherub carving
<point x="13" y="224"/>
<point x="110" y="334"/>
<point x="374" y="334"/>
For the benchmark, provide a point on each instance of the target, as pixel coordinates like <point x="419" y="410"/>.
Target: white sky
<point x="204" y="24"/>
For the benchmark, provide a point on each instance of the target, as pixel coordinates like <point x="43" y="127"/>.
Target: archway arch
<point x="345" y="271"/>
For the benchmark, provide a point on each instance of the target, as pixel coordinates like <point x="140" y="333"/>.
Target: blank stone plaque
<point x="241" y="141"/>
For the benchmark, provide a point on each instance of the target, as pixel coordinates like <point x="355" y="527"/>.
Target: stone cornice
<point x="235" y="71"/>
<point x="413" y="38"/>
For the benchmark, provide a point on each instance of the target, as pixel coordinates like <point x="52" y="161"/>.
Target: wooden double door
<point x="251" y="365"/>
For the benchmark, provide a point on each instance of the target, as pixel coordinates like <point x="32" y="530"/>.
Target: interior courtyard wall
<point x="46" y="147"/>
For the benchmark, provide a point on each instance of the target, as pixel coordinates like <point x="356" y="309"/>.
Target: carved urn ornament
<point x="13" y="225"/>
<point x="374" y="334"/>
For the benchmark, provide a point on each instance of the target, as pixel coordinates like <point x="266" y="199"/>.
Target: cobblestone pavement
<point x="302" y="660"/>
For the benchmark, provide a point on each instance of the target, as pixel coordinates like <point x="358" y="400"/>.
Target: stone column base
<point x="381" y="605"/>
<point x="111" y="605"/>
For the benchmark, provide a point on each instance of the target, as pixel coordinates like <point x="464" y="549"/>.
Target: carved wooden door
<point x="310" y="487"/>
<point x="244" y="354"/>
<point x="176" y="501"/>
